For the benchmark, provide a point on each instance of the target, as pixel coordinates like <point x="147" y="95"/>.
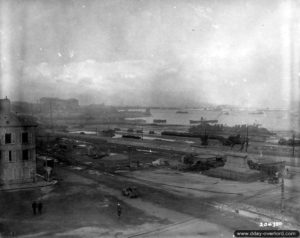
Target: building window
<point x="7" y="138"/>
<point x="25" y="137"/>
<point x="9" y="156"/>
<point x="25" y="154"/>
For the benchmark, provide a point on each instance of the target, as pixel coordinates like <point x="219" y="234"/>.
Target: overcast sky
<point x="149" y="52"/>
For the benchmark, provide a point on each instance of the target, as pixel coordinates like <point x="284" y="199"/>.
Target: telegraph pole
<point x="31" y="107"/>
<point x="247" y="139"/>
<point x="282" y="194"/>
<point x="129" y="156"/>
<point x="282" y="187"/>
<point x="293" y="144"/>
<point x="51" y="117"/>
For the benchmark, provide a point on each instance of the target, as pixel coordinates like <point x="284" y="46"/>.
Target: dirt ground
<point x="260" y="197"/>
<point x="75" y="202"/>
<point x="83" y="204"/>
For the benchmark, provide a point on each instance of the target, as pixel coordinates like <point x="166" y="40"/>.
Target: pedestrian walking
<point x="40" y="207"/>
<point x="34" y="205"/>
<point x="119" y="210"/>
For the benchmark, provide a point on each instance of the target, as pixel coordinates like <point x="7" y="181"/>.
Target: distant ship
<point x="294" y="114"/>
<point x="159" y="121"/>
<point x="131" y="136"/>
<point x="217" y="129"/>
<point x="182" y="112"/>
<point x="202" y="121"/>
<point x="148" y="112"/>
<point x="257" y="113"/>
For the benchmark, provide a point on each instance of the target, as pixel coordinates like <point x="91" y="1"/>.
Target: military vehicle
<point x="130" y="192"/>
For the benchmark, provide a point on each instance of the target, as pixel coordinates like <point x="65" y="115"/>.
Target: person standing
<point x="243" y="144"/>
<point x="119" y="210"/>
<point x="34" y="205"/>
<point x="40" y="207"/>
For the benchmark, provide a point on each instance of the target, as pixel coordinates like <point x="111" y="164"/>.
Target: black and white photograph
<point x="149" y="118"/>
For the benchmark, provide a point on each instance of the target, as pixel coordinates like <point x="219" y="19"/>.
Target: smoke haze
<point x="140" y="52"/>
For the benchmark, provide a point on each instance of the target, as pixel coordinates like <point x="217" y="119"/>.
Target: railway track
<point x="165" y="228"/>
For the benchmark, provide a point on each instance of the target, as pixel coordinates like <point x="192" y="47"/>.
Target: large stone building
<point x="17" y="146"/>
<point x="57" y="104"/>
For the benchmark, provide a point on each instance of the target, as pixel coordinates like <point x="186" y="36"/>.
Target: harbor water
<point x="275" y="120"/>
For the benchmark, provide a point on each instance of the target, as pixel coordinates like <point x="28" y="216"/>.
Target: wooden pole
<point x="293" y="144"/>
<point x="282" y="172"/>
<point x="51" y="117"/>
<point x="282" y="191"/>
<point x="247" y="139"/>
<point x="129" y="155"/>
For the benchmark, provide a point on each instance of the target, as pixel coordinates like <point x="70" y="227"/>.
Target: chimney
<point x="5" y="106"/>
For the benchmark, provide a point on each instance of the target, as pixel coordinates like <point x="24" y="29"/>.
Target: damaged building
<point x="17" y="146"/>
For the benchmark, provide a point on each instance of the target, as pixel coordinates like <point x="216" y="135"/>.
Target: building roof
<point x="14" y="120"/>
<point x="10" y="119"/>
